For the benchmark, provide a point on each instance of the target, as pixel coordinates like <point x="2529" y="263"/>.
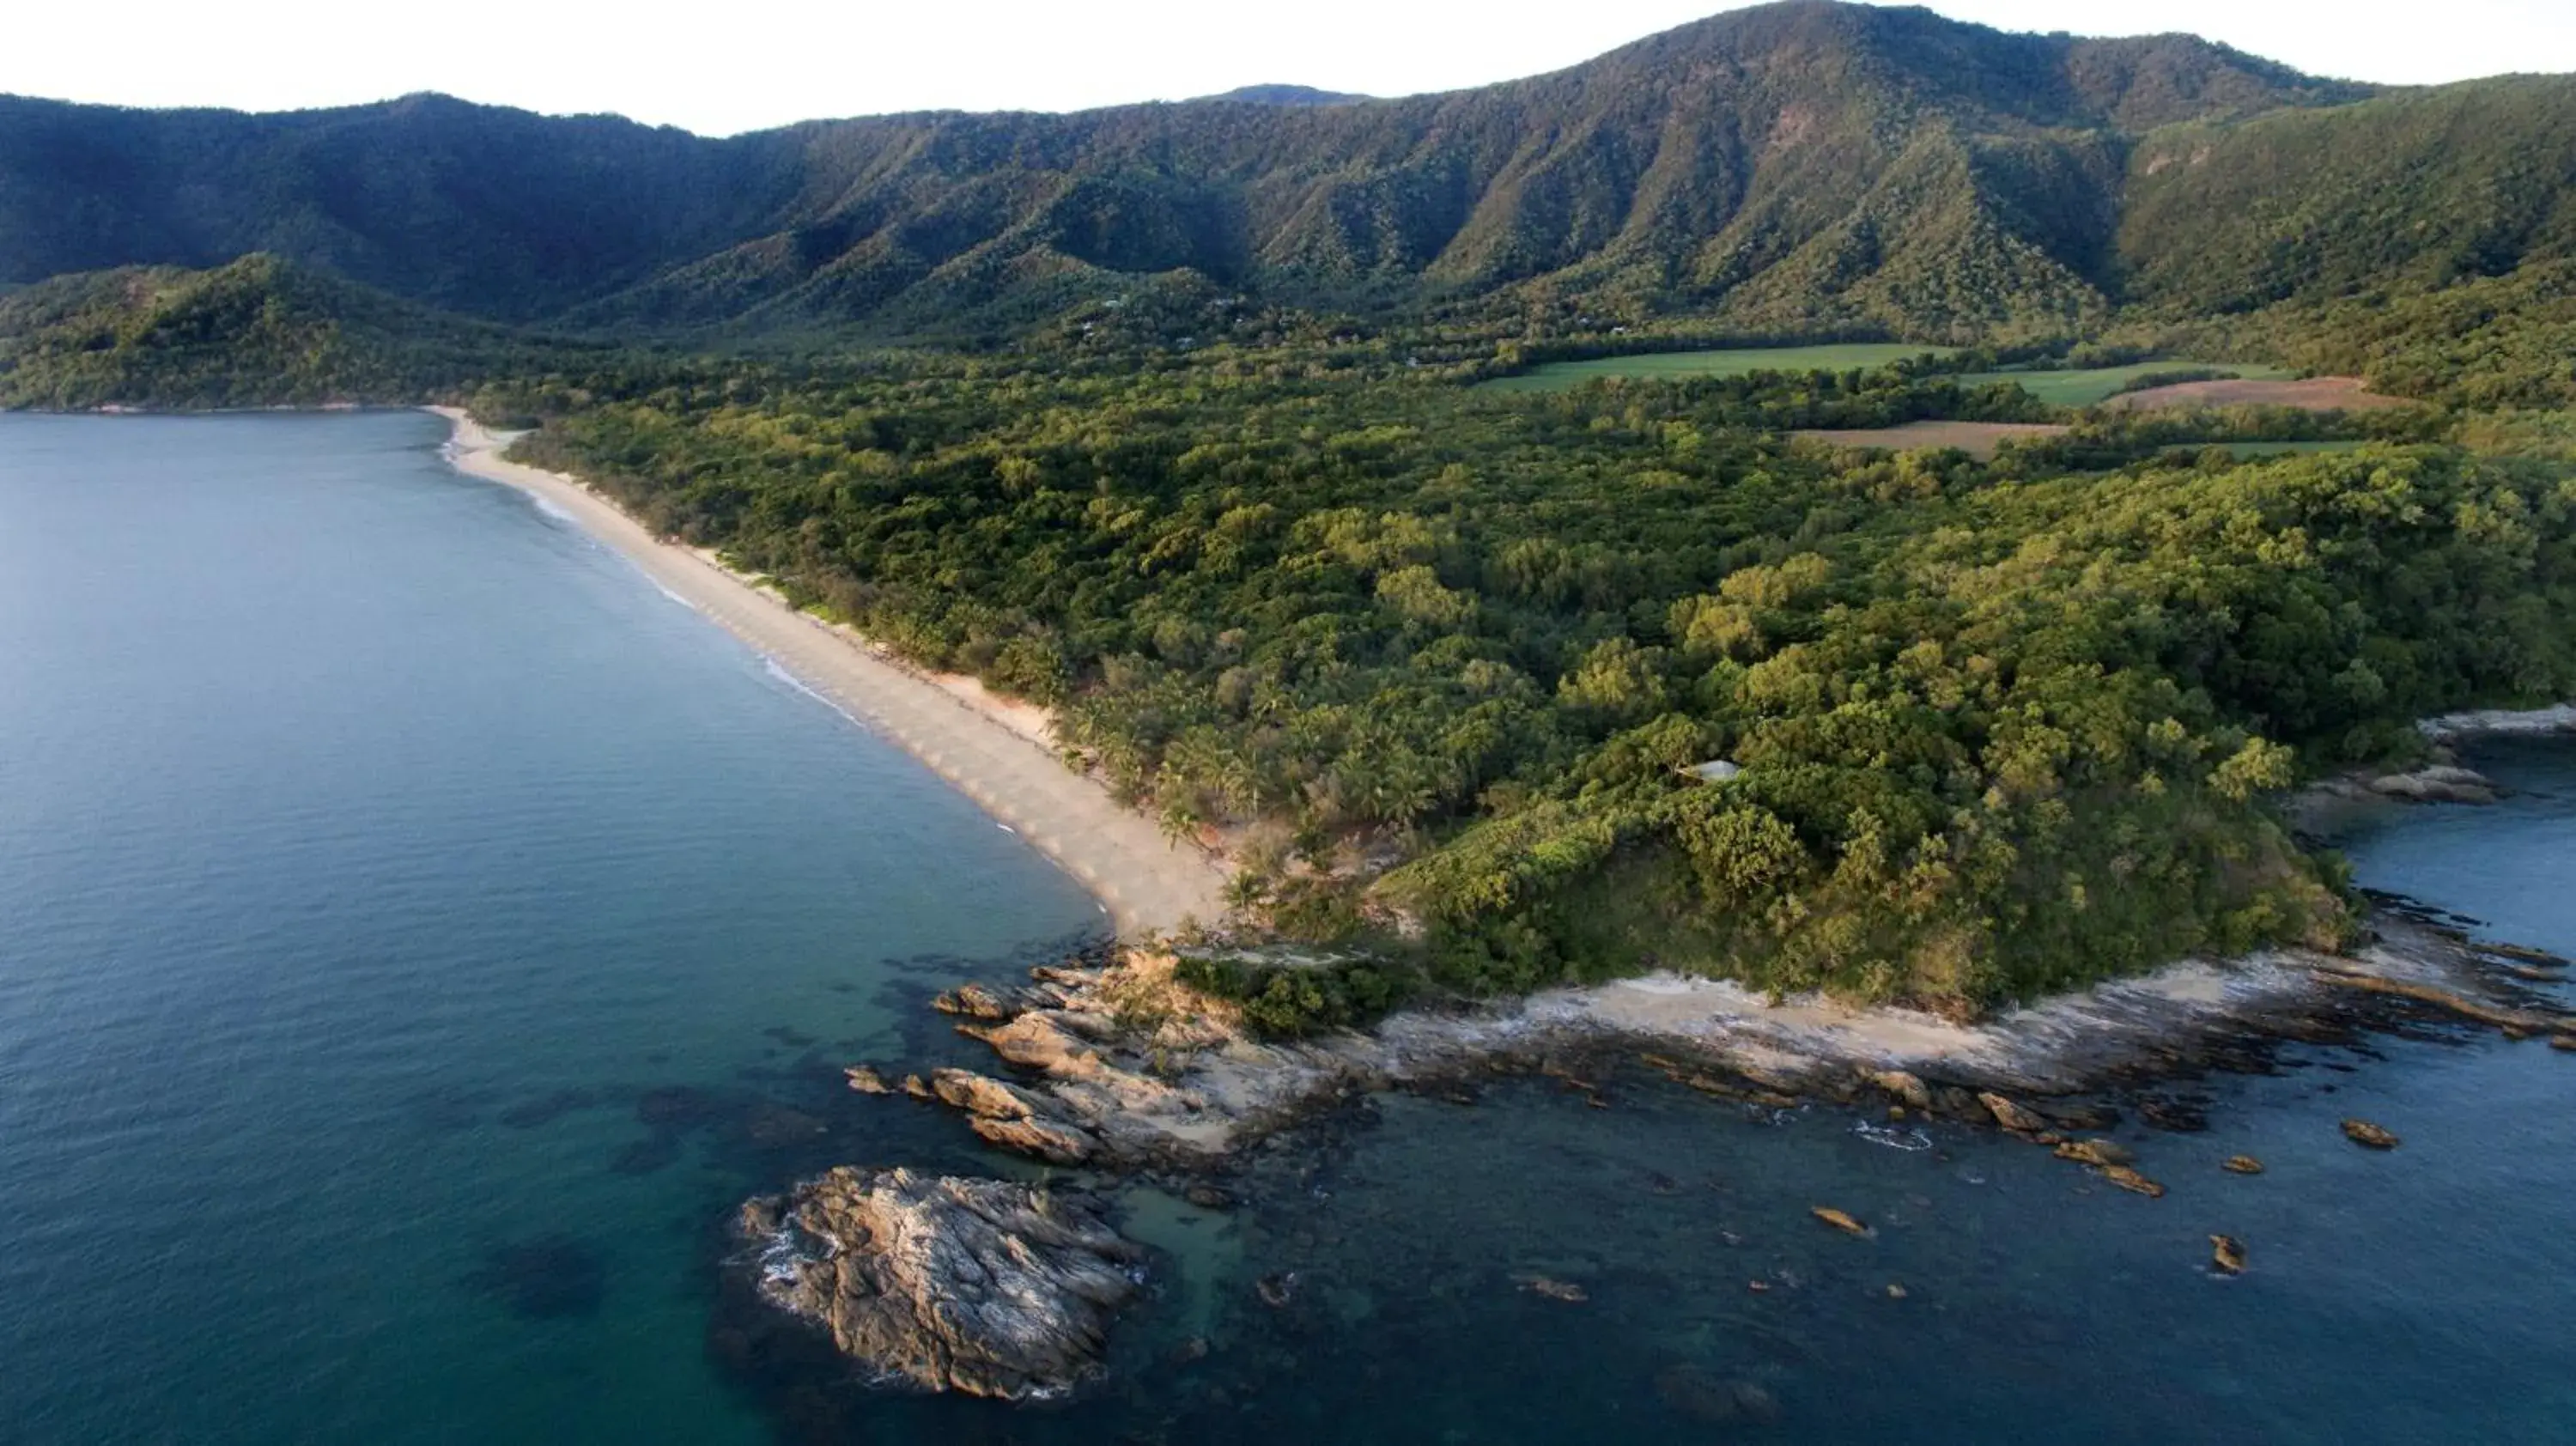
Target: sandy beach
<point x="996" y="752"/>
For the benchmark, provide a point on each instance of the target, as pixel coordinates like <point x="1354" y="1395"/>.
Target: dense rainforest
<point x="1168" y="417"/>
<point x="1449" y="657"/>
<point x="1806" y="165"/>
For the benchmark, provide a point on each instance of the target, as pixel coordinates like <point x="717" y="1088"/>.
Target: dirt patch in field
<point x="1977" y="439"/>
<point x="2316" y="394"/>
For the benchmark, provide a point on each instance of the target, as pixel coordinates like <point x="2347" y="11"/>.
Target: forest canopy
<point x="1441" y="663"/>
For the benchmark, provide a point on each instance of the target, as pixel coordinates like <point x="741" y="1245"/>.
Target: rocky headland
<point x="1119" y="1067"/>
<point x="987" y="1287"/>
<point x="1111" y="1067"/>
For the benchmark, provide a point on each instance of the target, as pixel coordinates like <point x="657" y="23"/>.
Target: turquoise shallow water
<point x="389" y="876"/>
<point x="416" y="933"/>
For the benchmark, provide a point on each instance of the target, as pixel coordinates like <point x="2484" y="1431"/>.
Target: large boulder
<point x="988" y="1287"/>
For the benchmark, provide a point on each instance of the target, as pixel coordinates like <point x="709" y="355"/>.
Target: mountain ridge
<point x="1801" y="167"/>
<point x="1287" y="95"/>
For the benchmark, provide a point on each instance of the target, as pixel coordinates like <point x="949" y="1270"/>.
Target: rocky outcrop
<point x="987" y="1287"/>
<point x="1842" y="1220"/>
<point x="1049" y="1140"/>
<point x="2133" y="1182"/>
<point x="974" y="1001"/>
<point x="1118" y="1066"/>
<point x="2532" y="1021"/>
<point x="2011" y="1116"/>
<point x="2500" y="722"/>
<point x="2102" y="1153"/>
<point x="1908" y="1090"/>
<point x="978" y="1095"/>
<point x="2437" y="783"/>
<point x="1124" y="1068"/>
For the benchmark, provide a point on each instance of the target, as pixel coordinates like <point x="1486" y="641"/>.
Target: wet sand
<point x="994" y="751"/>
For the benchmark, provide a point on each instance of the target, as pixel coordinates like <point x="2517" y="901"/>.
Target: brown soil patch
<point x="1977" y="439"/>
<point x="2316" y="394"/>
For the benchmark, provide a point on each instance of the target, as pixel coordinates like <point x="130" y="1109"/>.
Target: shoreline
<point x="997" y="753"/>
<point x="1117" y="1067"/>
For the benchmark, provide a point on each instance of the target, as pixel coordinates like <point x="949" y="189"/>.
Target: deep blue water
<point x="416" y="933"/>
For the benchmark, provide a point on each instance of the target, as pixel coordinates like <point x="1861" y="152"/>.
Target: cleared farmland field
<point x="2316" y="394"/>
<point x="1734" y="362"/>
<point x="1977" y="439"/>
<point x="2091" y="386"/>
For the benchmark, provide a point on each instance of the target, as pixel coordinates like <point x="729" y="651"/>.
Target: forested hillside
<point x="2404" y="192"/>
<point x="257" y="332"/>
<point x="1804" y="166"/>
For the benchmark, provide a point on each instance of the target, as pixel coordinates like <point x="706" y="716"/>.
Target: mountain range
<point x="1805" y="167"/>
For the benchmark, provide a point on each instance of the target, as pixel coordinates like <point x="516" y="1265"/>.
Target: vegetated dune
<point x="2315" y="394"/>
<point x="1977" y="439"/>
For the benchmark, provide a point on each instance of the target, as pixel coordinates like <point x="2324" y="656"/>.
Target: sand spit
<point x="995" y="752"/>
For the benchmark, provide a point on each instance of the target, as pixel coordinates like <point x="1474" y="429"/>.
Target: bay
<point x="415" y="930"/>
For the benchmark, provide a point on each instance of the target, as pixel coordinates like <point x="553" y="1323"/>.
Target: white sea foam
<point x="778" y="670"/>
<point x="1908" y="1140"/>
<point x="553" y="509"/>
<point x="782" y="1260"/>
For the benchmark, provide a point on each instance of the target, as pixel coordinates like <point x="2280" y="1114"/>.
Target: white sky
<point x="743" y="64"/>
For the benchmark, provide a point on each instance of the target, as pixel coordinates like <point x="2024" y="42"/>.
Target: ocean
<point x="418" y="932"/>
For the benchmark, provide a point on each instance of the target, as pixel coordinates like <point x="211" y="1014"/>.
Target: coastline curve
<point x="993" y="752"/>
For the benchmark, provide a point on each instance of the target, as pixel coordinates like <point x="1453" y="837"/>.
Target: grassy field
<point x="2094" y="385"/>
<point x="1736" y="362"/>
